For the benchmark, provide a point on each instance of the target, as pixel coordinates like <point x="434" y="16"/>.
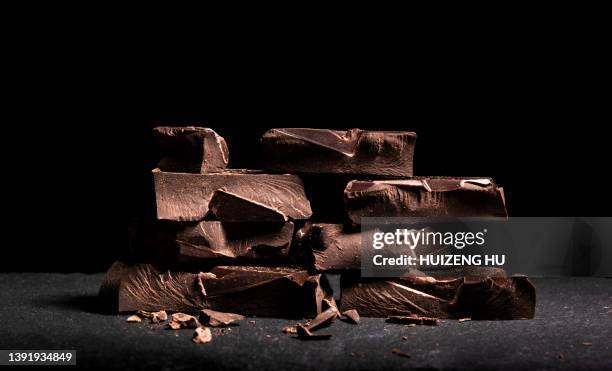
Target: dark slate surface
<point x="55" y="311"/>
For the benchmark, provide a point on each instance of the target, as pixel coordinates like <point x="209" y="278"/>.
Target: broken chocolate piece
<point x="351" y="316"/>
<point x="191" y="149"/>
<point x="304" y="334"/>
<point x="324" y="318"/>
<point x="413" y="320"/>
<point x="182" y="320"/>
<point x="355" y="151"/>
<point x="329" y="247"/>
<point x="426" y="197"/>
<point x="289" y="329"/>
<point x="134" y="318"/>
<point x="201" y="335"/>
<point x="480" y="298"/>
<point x="267" y="197"/>
<point x="212" y="239"/>
<point x="215" y="319"/>
<point x="155" y="317"/>
<point x="252" y="291"/>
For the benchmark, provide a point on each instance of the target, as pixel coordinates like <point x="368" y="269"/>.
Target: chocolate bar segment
<point x="329" y="247"/>
<point x="426" y="197"/>
<point x="239" y="195"/>
<point x="355" y="151"/>
<point x="191" y="149"/>
<point x="213" y="239"/>
<point x="479" y="298"/>
<point x="250" y="291"/>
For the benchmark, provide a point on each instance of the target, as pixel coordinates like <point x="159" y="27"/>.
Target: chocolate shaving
<point x="304" y="334"/>
<point x="413" y="320"/>
<point x="351" y="316"/>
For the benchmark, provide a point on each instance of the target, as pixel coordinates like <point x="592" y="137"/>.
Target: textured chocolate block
<point x="479" y="298"/>
<point x="250" y="291"/>
<point x="213" y="239"/>
<point x="233" y="195"/>
<point x="191" y="149"/>
<point x="425" y="197"/>
<point x="355" y="151"/>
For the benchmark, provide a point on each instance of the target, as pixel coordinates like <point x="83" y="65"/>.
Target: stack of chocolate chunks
<point x="249" y="242"/>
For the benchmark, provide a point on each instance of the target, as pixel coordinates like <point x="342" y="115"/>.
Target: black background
<point x="534" y="127"/>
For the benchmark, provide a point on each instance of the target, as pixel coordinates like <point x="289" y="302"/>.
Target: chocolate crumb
<point x="182" y="320"/>
<point x="202" y="335"/>
<point x="416" y="320"/>
<point x="216" y="319"/>
<point x="289" y="329"/>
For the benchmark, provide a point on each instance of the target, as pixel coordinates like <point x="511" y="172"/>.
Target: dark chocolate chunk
<point x="182" y="320"/>
<point x="355" y="151"/>
<point x="304" y="334"/>
<point x="454" y="197"/>
<point x="155" y="317"/>
<point x="251" y="291"/>
<point x="329" y="247"/>
<point x="212" y="239"/>
<point x="214" y="318"/>
<point x="480" y="298"/>
<point x="202" y="335"/>
<point x="243" y="196"/>
<point x="413" y="320"/>
<point x="191" y="149"/>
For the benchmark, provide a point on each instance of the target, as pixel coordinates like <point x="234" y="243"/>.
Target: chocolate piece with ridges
<point x="191" y="149"/>
<point x="480" y="298"/>
<point x="213" y="239"/>
<point x="329" y="247"/>
<point x="251" y="291"/>
<point x="186" y="197"/>
<point x="355" y="151"/>
<point x="426" y="197"/>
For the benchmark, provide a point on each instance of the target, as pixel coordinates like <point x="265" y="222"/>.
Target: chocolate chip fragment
<point x="182" y="320"/>
<point x="201" y="335"/>
<point x="304" y="334"/>
<point x="214" y="318"/>
<point x="413" y="320"/>
<point x="289" y="329"/>
<point x="155" y="317"/>
<point x="133" y="318"/>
